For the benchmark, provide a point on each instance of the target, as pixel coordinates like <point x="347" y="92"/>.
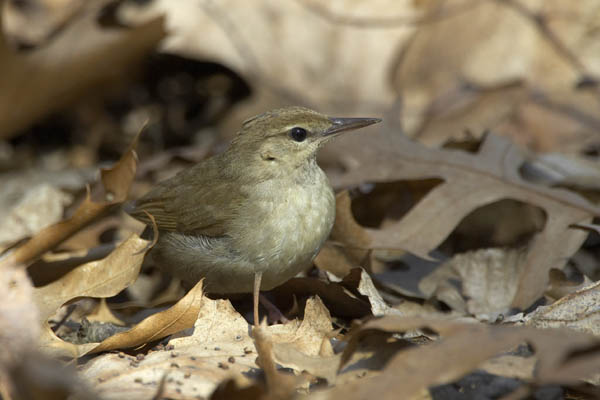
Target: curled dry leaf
<point x="102" y="278"/>
<point x="116" y="182"/>
<point x="306" y="347"/>
<point x="470" y="181"/>
<point x="341" y="301"/>
<point x="358" y="279"/>
<point x="579" y="311"/>
<point x="218" y="348"/>
<point x="462" y="348"/>
<point x="180" y="316"/>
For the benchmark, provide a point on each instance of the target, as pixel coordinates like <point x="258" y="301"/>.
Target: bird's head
<point x="288" y="137"/>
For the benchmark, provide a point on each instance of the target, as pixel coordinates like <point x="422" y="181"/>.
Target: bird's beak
<point x="348" y="124"/>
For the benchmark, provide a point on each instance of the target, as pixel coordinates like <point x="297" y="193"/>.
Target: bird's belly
<point x="278" y="235"/>
<point x="290" y="226"/>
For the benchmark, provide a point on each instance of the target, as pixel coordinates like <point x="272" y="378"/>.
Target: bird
<point x="254" y="216"/>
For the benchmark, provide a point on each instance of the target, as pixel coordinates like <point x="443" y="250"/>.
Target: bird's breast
<point x="289" y="221"/>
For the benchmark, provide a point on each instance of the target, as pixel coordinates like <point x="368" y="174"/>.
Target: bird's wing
<point x="198" y="200"/>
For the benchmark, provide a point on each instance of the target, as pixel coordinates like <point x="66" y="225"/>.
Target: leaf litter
<point x="352" y="333"/>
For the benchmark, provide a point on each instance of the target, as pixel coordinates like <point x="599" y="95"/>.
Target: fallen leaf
<point x="481" y="283"/>
<point x="309" y="336"/>
<point x="341" y="301"/>
<point x="230" y="390"/>
<point x="33" y="84"/>
<point x="103" y="313"/>
<point x="579" y="311"/>
<point x="218" y="347"/>
<point x="358" y="279"/>
<point x="19" y="327"/>
<point x="115" y="184"/>
<point x="556" y="169"/>
<point x="279" y="386"/>
<point x="462" y="348"/>
<point x="470" y="181"/>
<point x="102" y="278"/>
<point x="239" y="36"/>
<point x="511" y="366"/>
<point x="52" y="346"/>
<point x="454" y="75"/>
<point x="561" y="285"/>
<point x="348" y="242"/>
<point x="35" y="376"/>
<point x="43" y="20"/>
<point x="324" y="367"/>
<point x="53" y="265"/>
<point x="180" y="316"/>
<point x="40" y="206"/>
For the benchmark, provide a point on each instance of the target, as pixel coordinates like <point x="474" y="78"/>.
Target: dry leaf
<point x="230" y="390"/>
<point x="103" y="313"/>
<point x="40" y="206"/>
<point x="470" y="181"/>
<point x="579" y="311"/>
<point x="180" y="316"/>
<point x="19" y="327"/>
<point x="358" y="279"/>
<point x="198" y="360"/>
<point x="33" y="84"/>
<point x="511" y="66"/>
<point x="324" y="367"/>
<point x="103" y="278"/>
<point x="53" y="265"/>
<point x="341" y="301"/>
<point x="309" y="336"/>
<point x="279" y="386"/>
<point x="556" y="169"/>
<point x="116" y="182"/>
<point x="34" y="25"/>
<point x="561" y="285"/>
<point x="511" y="366"/>
<point x="239" y="36"/>
<point x="53" y="346"/>
<point x="482" y="283"/>
<point x="35" y="376"/>
<point x="462" y="348"/>
<point x="218" y="347"/>
<point x="348" y="242"/>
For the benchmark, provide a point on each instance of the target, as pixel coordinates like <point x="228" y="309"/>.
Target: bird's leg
<point x="257" y="278"/>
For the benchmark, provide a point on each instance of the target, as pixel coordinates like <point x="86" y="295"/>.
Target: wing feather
<point x="199" y="200"/>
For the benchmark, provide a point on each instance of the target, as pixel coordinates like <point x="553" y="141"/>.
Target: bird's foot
<point x="274" y="315"/>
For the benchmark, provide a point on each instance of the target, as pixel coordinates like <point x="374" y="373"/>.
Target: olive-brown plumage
<point x="255" y="215"/>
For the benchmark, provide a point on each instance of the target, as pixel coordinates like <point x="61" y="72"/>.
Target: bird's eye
<point x="298" y="134"/>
